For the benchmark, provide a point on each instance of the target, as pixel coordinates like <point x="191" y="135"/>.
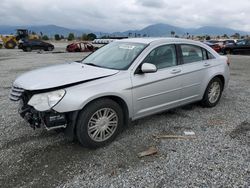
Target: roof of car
<point x="150" y="40"/>
<point x="156" y="41"/>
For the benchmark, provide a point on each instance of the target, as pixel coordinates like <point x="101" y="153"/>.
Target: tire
<point x="10" y="44"/>
<point x="20" y="46"/>
<point x="212" y="96"/>
<point x="1" y="45"/>
<point x="49" y="48"/>
<point x="93" y="125"/>
<point x="28" y="49"/>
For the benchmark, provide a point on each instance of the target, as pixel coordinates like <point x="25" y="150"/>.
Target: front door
<point x="154" y="92"/>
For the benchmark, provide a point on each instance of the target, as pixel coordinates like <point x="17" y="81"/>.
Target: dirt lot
<point x="219" y="156"/>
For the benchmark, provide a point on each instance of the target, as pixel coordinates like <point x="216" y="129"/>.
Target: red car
<point x="215" y="46"/>
<point x="80" y="47"/>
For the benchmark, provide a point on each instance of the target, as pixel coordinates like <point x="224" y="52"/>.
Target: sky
<point x="117" y="15"/>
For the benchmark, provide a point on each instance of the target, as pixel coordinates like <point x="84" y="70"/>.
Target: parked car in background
<point x="103" y="41"/>
<point x="29" y="45"/>
<point x="226" y="42"/>
<point x="94" y="99"/>
<point x="213" y="41"/>
<point x="80" y="47"/>
<point x="215" y="46"/>
<point x="241" y="47"/>
<point x="1" y="43"/>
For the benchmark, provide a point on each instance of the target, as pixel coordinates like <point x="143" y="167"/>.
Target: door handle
<point x="207" y="64"/>
<point x="175" y="71"/>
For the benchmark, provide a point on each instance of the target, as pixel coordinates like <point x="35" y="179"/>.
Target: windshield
<point x="115" y="55"/>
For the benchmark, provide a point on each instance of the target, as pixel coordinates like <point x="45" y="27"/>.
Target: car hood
<point x="61" y="75"/>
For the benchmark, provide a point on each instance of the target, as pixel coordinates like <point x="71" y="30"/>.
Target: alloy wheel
<point x="214" y="92"/>
<point x="102" y="124"/>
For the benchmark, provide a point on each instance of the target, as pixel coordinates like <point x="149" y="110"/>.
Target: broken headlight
<point x="46" y="101"/>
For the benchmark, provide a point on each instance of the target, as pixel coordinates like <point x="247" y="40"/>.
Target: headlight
<point x="46" y="101"/>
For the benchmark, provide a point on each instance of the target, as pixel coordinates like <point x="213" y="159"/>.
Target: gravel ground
<point x="218" y="156"/>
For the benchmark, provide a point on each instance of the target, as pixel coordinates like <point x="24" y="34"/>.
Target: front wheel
<point x="49" y="48"/>
<point x="99" y="123"/>
<point x="213" y="93"/>
<point x="27" y="49"/>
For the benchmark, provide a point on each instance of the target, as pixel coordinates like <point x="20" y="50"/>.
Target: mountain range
<point x="49" y="30"/>
<point x="161" y="30"/>
<point x="155" y="30"/>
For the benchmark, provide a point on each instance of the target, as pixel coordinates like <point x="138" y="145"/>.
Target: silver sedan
<point x="94" y="99"/>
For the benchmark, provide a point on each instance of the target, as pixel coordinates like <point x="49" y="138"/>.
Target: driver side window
<point x="162" y="57"/>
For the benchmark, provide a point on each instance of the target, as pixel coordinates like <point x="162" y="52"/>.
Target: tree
<point x="84" y="36"/>
<point x="225" y="36"/>
<point x="91" y="36"/>
<point x="71" y="37"/>
<point x="237" y="35"/>
<point x="105" y="37"/>
<point x="208" y="37"/>
<point x="45" y="37"/>
<point x="57" y="37"/>
<point x="62" y="37"/>
<point x="172" y="33"/>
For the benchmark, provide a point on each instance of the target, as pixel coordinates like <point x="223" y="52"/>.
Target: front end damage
<point x="49" y="119"/>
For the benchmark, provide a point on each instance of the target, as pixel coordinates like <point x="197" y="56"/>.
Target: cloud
<point x="151" y="4"/>
<point x="113" y="15"/>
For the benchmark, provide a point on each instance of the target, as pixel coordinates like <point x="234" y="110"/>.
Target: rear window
<point x="207" y="55"/>
<point x="191" y="53"/>
<point x="210" y="56"/>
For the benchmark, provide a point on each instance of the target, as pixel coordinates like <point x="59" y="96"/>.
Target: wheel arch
<point x="221" y="77"/>
<point x="121" y="102"/>
<point x="71" y="129"/>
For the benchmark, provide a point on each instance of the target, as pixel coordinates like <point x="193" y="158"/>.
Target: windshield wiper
<point x="92" y="64"/>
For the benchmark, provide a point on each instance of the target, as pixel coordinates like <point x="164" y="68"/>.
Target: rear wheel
<point x="28" y="49"/>
<point x="99" y="123"/>
<point x="10" y="44"/>
<point x="213" y="93"/>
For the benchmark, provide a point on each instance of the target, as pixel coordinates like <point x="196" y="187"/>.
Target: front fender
<point x="77" y="97"/>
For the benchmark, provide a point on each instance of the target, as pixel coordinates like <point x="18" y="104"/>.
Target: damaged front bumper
<point x="49" y="119"/>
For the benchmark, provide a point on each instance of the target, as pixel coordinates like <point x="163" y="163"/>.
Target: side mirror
<point x="148" y="68"/>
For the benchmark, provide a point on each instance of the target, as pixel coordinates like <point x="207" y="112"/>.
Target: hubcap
<point x="102" y="124"/>
<point x="214" y="92"/>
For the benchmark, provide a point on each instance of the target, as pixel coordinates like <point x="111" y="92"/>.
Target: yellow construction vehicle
<point x="11" y="41"/>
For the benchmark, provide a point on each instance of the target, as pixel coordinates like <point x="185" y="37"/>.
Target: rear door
<point x="154" y="92"/>
<point x="194" y="71"/>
